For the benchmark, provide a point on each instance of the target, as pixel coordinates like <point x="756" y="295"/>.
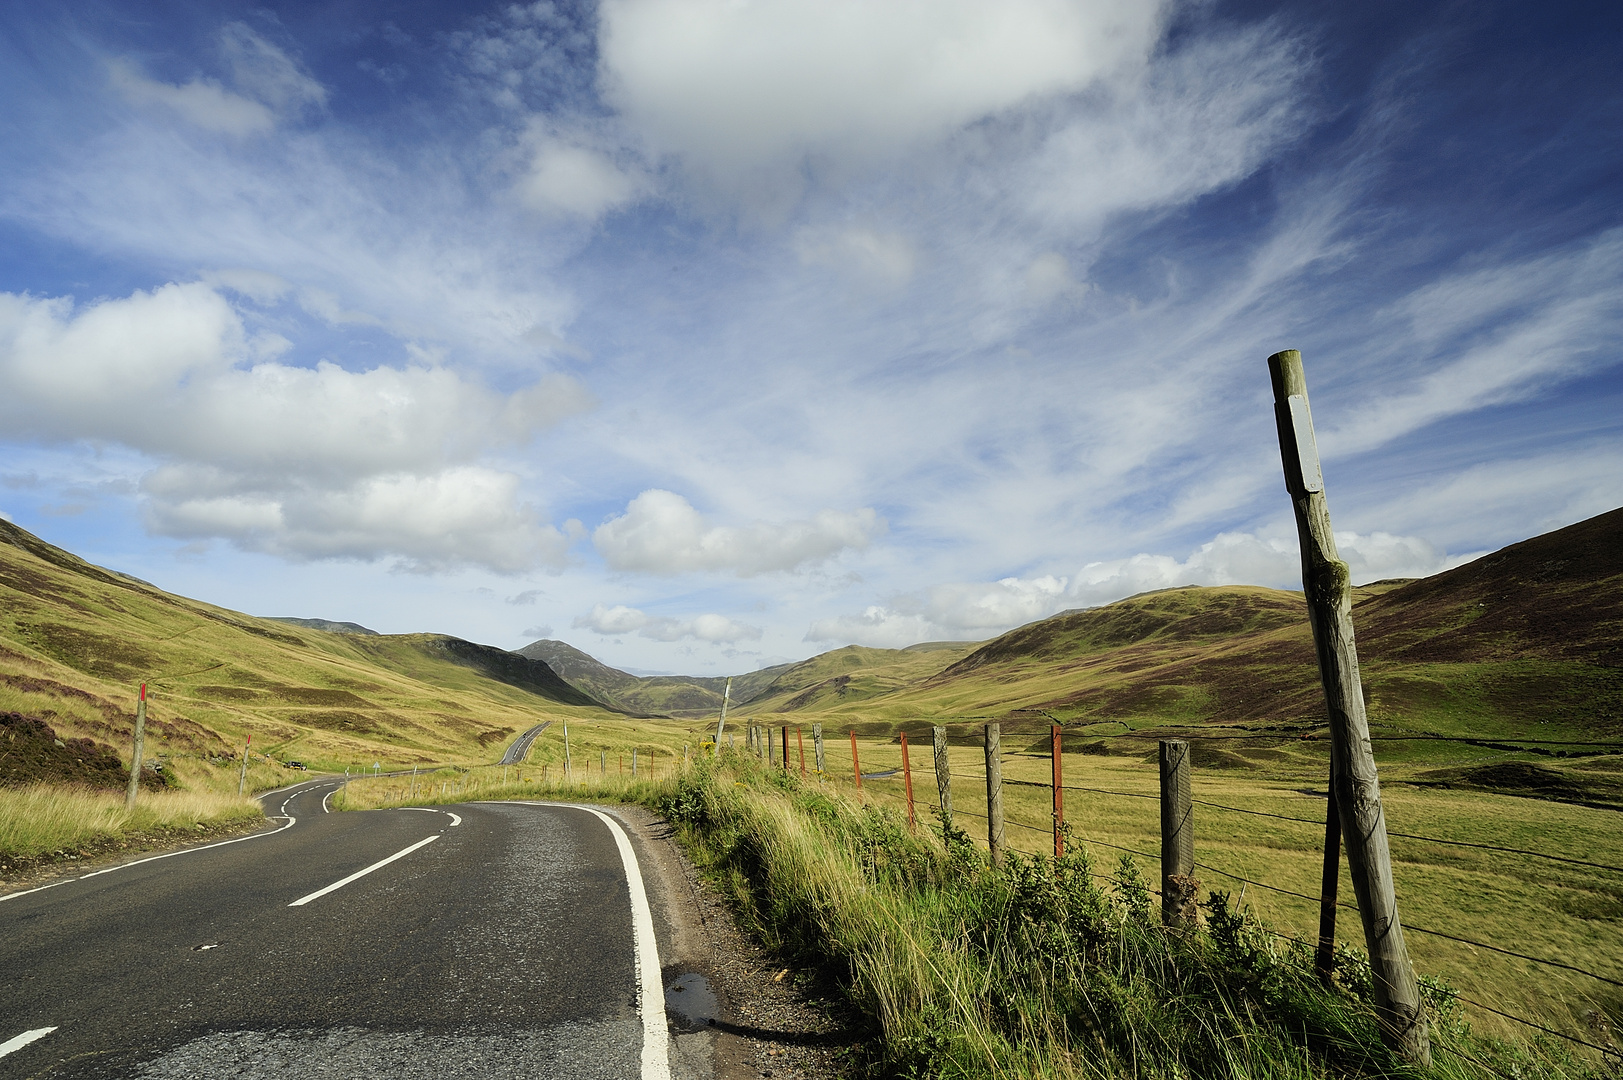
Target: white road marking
<point x="455" y="820"/>
<point x="656" y="1033"/>
<point x="357" y="875"/>
<point x="11" y="1045"/>
<point x="291" y="821"/>
<point x="424" y="809"/>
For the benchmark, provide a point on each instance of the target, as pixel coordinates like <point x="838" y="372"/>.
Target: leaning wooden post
<point x="800" y="741"/>
<point x="1354" y="783"/>
<point x="1058" y="754"/>
<point x="907" y="784"/>
<point x="856" y="762"/>
<point x="569" y="772"/>
<point x="994" y="793"/>
<point x="817" y="748"/>
<point x="242" y="780"/>
<point x="943" y="770"/>
<point x="783" y="746"/>
<point x="726" y="698"/>
<point x="1179" y="889"/>
<point x="136" y="749"/>
<point x="1324" y="958"/>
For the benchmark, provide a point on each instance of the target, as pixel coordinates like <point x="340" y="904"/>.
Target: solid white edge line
<point x="23" y="1040"/>
<point x="291" y="821"/>
<point x="656" y="1032"/>
<point x="380" y="864"/>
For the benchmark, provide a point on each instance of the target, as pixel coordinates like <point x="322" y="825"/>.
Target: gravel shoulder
<point x="770" y="1020"/>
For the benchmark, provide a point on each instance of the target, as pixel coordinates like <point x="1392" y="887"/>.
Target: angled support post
<point x="1354" y="784"/>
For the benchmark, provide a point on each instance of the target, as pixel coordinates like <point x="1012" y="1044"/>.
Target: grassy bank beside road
<point x="42" y="820"/>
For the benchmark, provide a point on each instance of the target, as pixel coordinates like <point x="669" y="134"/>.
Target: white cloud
<point x="304" y="462"/>
<point x="876" y="626"/>
<point x="270" y="84"/>
<point x="871" y="257"/>
<point x="620" y="619"/>
<point x="661" y="533"/>
<point x="1049" y="278"/>
<point x="266" y="73"/>
<point x="202" y="101"/>
<point x="1182" y="126"/>
<point x="538" y="633"/>
<point x="736" y="85"/>
<point x="1518" y="329"/>
<point x="568" y="179"/>
<point x="985" y="609"/>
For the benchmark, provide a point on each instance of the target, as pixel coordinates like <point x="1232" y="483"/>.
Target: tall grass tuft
<point x="40" y="819"/>
<point x="1046" y="967"/>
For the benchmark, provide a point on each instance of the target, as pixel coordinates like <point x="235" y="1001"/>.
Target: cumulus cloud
<point x="268" y="84"/>
<point x="566" y="179"/>
<point x="735" y="86"/>
<point x="304" y="462"/>
<point x="620" y="619"/>
<point x="661" y="533"/>
<point x="985" y="609"/>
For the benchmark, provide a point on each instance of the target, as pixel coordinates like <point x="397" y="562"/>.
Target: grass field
<point x="1560" y="911"/>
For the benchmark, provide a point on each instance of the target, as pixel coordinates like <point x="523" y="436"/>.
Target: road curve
<point x="521" y="745"/>
<point x="481" y="939"/>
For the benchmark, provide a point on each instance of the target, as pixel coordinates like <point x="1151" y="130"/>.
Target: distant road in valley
<point x="487" y="939"/>
<point x="521" y="745"/>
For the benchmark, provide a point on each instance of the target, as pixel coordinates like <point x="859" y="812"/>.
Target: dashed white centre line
<point x="12" y="1045"/>
<point x="357" y="875"/>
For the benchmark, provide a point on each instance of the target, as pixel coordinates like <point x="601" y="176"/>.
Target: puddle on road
<point x="691" y="1004"/>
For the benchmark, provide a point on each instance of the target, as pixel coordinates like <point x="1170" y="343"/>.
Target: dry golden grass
<point x="42" y="818"/>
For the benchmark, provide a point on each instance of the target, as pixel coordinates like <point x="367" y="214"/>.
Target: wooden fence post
<point x="140" y="744"/>
<point x="1324" y="958"/>
<point x="569" y="772"/>
<point x="943" y="770"/>
<point x="1058" y="754"/>
<point x="817" y="747"/>
<point x="800" y="741"/>
<point x="994" y="793"/>
<point x="1179" y="889"/>
<point x="242" y="780"/>
<point x="856" y="763"/>
<point x="1354" y="782"/>
<point x="633" y="763"/>
<point x="726" y="699"/>
<point x="907" y="783"/>
<point x="783" y="746"/>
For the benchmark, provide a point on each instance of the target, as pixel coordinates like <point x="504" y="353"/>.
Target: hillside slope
<point x="1525" y="644"/>
<point x="76" y="640"/>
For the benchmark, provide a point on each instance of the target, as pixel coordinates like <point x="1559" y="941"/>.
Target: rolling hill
<point x="1524" y="644"/>
<point x="76" y="641"/>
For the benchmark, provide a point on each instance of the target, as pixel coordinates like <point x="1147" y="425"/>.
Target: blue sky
<point x="707" y="334"/>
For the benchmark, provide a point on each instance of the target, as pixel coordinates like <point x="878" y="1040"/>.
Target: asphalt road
<point x="521" y="745"/>
<point x="504" y="939"/>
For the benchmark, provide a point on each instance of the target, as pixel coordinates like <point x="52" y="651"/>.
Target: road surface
<point x="520" y="749"/>
<point x="481" y="939"/>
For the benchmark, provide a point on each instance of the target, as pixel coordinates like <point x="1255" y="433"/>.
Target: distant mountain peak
<point x="324" y="624"/>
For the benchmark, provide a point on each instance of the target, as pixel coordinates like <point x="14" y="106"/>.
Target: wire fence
<point x="980" y="777"/>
